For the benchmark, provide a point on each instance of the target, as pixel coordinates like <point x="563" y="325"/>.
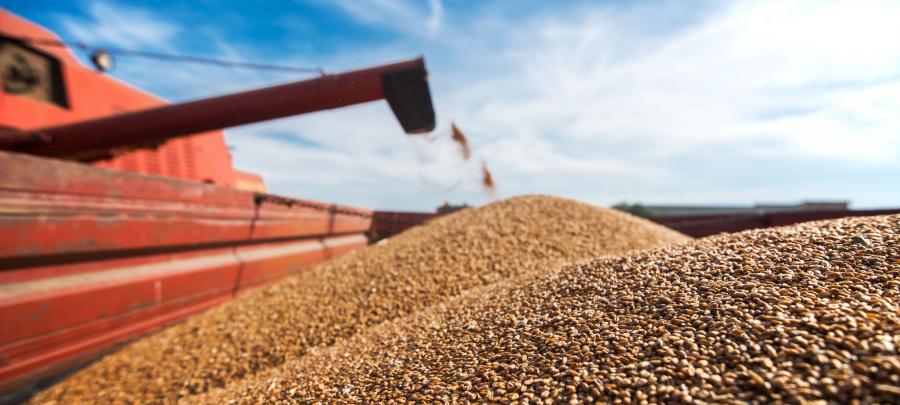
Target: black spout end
<point x="407" y="93"/>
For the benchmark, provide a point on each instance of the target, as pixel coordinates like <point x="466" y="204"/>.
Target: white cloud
<point x="400" y="15"/>
<point x="763" y="92"/>
<point x="433" y="24"/>
<point x="708" y="81"/>
<point x="120" y="26"/>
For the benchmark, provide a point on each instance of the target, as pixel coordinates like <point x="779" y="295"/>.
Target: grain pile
<point x="421" y="267"/>
<point x="794" y="314"/>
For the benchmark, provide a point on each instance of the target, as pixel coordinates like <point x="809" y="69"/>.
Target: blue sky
<point x="657" y="102"/>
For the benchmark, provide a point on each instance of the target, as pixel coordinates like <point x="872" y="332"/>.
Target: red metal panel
<point x="337" y="246"/>
<point x="389" y="223"/>
<point x="23" y="350"/>
<point x="90" y="256"/>
<point x="94" y="95"/>
<point x="350" y="220"/>
<point x="87" y="264"/>
<point x="56" y="207"/>
<point x="79" y="233"/>
<point x="39" y="308"/>
<point x="265" y="262"/>
<point x="30" y="173"/>
<point x="276" y="220"/>
<point x="279" y="217"/>
<point x="17" y="373"/>
<point x="64" y="317"/>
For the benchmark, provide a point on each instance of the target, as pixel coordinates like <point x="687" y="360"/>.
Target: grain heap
<point x="419" y="268"/>
<point x="791" y="314"/>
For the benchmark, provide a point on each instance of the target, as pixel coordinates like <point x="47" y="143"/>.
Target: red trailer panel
<point x="389" y="223"/>
<point x="154" y="249"/>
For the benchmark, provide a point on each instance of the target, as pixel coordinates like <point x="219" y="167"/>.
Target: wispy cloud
<point x="120" y="26"/>
<point x="585" y="84"/>
<point x="433" y="24"/>
<point x="596" y="88"/>
<point x="407" y="16"/>
<point x="737" y="102"/>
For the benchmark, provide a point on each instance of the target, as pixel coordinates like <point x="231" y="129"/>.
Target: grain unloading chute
<point x="403" y="85"/>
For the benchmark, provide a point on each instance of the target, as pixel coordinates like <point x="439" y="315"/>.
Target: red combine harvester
<point x="120" y="213"/>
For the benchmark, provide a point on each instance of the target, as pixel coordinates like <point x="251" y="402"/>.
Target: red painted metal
<point x="56" y="316"/>
<point x="91" y="257"/>
<point x="90" y="140"/>
<point x="389" y="223"/>
<point x="265" y="263"/>
<point x="54" y="207"/>
<point x="202" y="157"/>
<point x="77" y="352"/>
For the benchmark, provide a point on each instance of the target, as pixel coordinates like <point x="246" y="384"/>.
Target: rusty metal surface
<point x="91" y="257"/>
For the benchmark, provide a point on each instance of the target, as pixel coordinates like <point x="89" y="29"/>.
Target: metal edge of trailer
<point x="92" y="257"/>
